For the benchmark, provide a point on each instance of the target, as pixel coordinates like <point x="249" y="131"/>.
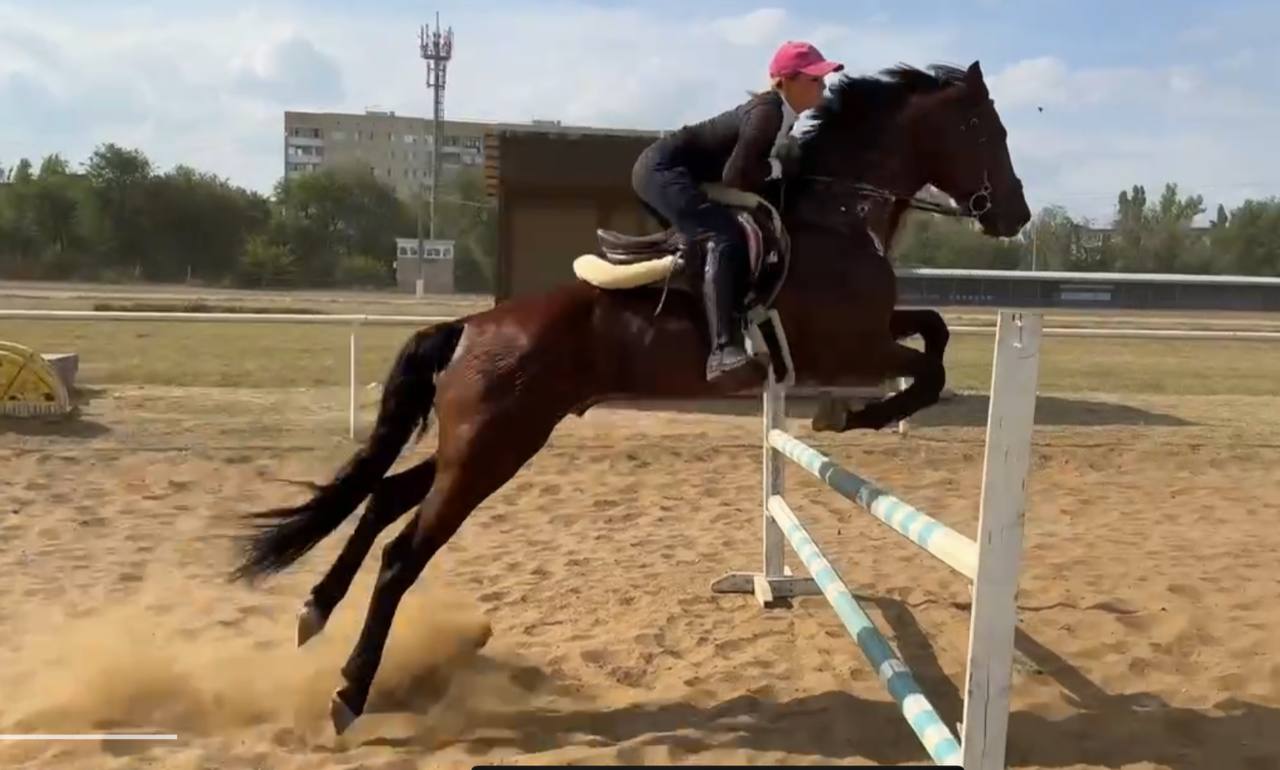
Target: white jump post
<point x="991" y="562"/>
<point x="351" y="398"/>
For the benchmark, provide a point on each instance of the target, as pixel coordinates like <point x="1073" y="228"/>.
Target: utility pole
<point x="436" y="48"/>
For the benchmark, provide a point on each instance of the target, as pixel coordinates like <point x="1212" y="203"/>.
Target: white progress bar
<point x="87" y="737"/>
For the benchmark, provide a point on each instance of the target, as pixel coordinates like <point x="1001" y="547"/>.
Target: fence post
<point x="1010" y="421"/>
<point x="351" y="406"/>
<point x="775" y="415"/>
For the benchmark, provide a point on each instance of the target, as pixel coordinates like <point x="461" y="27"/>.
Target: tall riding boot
<point x="720" y="286"/>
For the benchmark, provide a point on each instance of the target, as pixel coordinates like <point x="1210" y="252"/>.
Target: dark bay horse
<point x="501" y="380"/>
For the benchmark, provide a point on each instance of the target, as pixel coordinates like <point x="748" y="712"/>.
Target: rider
<point x="739" y="148"/>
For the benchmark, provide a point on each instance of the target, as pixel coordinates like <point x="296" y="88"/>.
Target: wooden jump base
<point x="991" y="562"/>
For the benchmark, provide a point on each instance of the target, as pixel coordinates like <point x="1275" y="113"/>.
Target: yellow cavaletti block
<point x="29" y="387"/>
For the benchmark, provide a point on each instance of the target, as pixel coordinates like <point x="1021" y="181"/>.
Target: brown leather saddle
<point x="768" y="251"/>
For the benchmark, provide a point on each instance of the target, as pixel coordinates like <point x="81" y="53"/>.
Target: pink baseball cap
<point x="794" y="57"/>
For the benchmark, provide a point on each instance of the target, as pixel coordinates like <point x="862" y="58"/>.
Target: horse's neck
<point x="893" y="167"/>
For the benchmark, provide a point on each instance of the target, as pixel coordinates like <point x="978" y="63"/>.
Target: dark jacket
<point x="732" y="147"/>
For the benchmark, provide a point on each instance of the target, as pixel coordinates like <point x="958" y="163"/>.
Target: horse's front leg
<point x="927" y="380"/>
<point x="925" y="322"/>
<point x="832" y="412"/>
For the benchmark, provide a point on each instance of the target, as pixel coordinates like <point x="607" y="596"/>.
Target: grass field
<point x="288" y="355"/>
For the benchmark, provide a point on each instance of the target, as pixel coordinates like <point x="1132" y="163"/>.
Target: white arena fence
<point x="354" y="322"/>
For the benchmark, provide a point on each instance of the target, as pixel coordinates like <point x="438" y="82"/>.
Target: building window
<point x="338" y="136"/>
<point x="409" y="138"/>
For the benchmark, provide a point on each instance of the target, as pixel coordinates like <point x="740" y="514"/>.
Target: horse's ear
<point x="973" y="78"/>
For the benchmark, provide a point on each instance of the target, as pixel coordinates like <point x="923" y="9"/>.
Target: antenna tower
<point x="436" y="49"/>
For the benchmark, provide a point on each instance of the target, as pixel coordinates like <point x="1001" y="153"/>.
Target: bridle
<point x="979" y="202"/>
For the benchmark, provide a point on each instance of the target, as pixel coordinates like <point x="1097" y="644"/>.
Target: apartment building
<point x="397" y="149"/>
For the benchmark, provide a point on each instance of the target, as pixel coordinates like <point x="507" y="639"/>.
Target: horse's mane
<point x="855" y="102"/>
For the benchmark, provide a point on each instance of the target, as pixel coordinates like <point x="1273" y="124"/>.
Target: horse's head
<point x="965" y="154"/>
<point x="906" y="127"/>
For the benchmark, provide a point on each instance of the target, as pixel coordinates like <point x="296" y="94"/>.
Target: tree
<point x="931" y="240"/>
<point x="1250" y="243"/>
<point x="1221" y="219"/>
<point x="1125" y="250"/>
<point x="22" y="172"/>
<point x="20" y="242"/>
<point x="56" y="201"/>
<point x="119" y="178"/>
<point x="1056" y="241"/>
<point x="1159" y="236"/>
<point x="335" y="214"/>
<point x="199" y="225"/>
<point x="468" y="217"/>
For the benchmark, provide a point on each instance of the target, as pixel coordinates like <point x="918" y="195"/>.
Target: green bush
<point x="265" y="264"/>
<point x="363" y="271"/>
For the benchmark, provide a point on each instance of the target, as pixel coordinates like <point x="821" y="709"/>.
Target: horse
<point x="501" y="380"/>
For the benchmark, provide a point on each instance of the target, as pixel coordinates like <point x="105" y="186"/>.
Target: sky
<point x="1130" y="93"/>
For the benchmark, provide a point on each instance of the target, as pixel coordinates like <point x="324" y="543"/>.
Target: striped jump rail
<point x="941" y="744"/>
<point x="991" y="561"/>
<point x="954" y="549"/>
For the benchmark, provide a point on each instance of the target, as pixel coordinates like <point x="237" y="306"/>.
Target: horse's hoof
<point x="821" y="425"/>
<point x="341" y="715"/>
<point x="310" y="622"/>
<point x="829" y="420"/>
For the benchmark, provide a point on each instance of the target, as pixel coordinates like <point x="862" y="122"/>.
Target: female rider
<point x="739" y="148"/>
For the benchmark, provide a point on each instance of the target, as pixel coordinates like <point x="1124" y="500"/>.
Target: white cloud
<point x="755" y="28"/>
<point x="290" y="68"/>
<point x="209" y="87"/>
<point x="1105" y="129"/>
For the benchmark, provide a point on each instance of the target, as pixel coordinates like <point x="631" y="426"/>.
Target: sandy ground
<point x="1148" y="612"/>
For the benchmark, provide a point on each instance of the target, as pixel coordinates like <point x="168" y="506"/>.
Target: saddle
<point x="668" y="261"/>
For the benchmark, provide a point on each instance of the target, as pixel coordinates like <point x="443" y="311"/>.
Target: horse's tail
<point x="410" y="389"/>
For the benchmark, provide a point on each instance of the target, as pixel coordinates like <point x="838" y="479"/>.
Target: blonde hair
<point x="774" y="84"/>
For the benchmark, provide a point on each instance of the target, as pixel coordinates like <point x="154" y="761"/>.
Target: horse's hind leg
<point x="473" y="461"/>
<point x="394" y="496"/>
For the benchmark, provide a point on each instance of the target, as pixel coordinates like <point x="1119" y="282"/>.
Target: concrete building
<point x="436" y="270"/>
<point x="396" y="149"/>
<point x="551" y="184"/>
